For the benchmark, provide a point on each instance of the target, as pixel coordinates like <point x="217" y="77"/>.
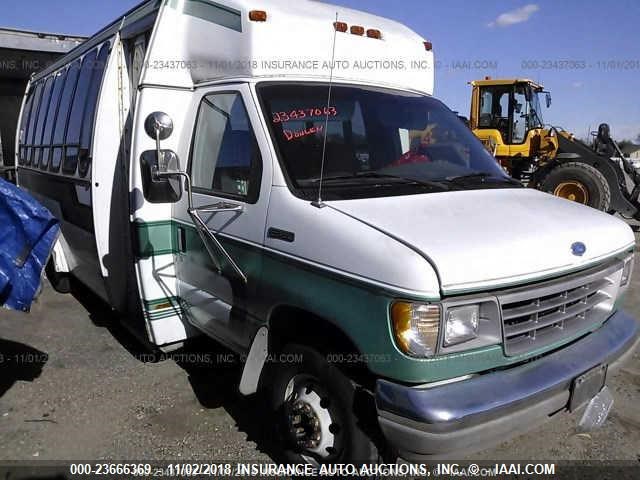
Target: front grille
<point x="548" y="312"/>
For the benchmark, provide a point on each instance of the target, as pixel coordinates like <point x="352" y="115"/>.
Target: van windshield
<point x="380" y="142"/>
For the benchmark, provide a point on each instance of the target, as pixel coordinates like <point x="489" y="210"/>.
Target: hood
<point x="493" y="238"/>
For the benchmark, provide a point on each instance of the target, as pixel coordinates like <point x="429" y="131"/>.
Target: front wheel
<point x="313" y="404"/>
<point x="579" y="182"/>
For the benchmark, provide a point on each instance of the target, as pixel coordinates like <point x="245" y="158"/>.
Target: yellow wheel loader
<point x="506" y="116"/>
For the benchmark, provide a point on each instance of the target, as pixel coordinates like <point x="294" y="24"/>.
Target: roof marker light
<point x="428" y="46"/>
<point x="374" y="33"/>
<point x="258" y="16"/>
<point x="357" y="30"/>
<point x="340" y="26"/>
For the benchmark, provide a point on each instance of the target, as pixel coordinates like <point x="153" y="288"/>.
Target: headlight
<point x="461" y="324"/>
<point x="416" y="327"/>
<point x="467" y="323"/>
<point x="626" y="271"/>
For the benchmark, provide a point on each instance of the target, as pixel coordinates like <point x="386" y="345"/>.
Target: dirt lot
<point x="73" y="386"/>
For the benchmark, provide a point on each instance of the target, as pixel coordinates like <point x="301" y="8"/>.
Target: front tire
<point x="313" y="407"/>
<point x="579" y="182"/>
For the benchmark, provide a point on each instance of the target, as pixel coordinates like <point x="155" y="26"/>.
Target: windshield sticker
<point x="294" y="134"/>
<point x="314" y="112"/>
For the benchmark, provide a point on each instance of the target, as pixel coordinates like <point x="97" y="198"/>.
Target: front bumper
<point x="476" y="413"/>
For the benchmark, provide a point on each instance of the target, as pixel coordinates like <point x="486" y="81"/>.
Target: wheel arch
<point x="286" y="325"/>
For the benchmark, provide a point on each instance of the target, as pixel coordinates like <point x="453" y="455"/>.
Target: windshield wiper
<point x="482" y="177"/>
<point x="341" y="178"/>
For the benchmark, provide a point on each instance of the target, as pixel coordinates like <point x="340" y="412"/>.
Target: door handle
<point x="182" y="240"/>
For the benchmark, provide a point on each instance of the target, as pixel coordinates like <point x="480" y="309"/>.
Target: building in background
<point x="21" y="54"/>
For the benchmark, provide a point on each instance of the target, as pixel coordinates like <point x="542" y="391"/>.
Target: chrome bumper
<point x="487" y="409"/>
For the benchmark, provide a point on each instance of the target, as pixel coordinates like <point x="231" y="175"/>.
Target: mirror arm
<point x="201" y="226"/>
<point x="161" y="165"/>
<point x="177" y="173"/>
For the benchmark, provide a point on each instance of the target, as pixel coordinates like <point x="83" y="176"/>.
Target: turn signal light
<point x="340" y="26"/>
<point x="374" y="33"/>
<point x="428" y="46"/>
<point x="357" y="30"/>
<point x="258" y="16"/>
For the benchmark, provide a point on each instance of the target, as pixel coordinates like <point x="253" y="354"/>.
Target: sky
<point x="587" y="53"/>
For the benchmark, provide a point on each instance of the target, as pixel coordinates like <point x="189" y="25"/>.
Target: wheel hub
<point x="308" y="419"/>
<point x="305" y="426"/>
<point x="574" y="191"/>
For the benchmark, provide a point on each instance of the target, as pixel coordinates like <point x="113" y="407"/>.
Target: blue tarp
<point x="27" y="234"/>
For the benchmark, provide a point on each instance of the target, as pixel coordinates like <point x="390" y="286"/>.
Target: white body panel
<point x="296" y="40"/>
<point x="491" y="238"/>
<point x="343" y="244"/>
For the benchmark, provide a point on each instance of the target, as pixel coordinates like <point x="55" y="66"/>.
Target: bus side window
<point x="23" y="128"/>
<point x="51" y="117"/>
<point x="31" y="129"/>
<point x="84" y="159"/>
<point x="226" y="159"/>
<point x="42" y="116"/>
<point x="72" y="142"/>
<point x="63" y="111"/>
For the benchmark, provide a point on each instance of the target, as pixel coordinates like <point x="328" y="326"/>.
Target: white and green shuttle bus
<point x="278" y="176"/>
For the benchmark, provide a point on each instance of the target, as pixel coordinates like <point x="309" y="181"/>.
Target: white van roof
<point x="198" y="41"/>
<point x="195" y="42"/>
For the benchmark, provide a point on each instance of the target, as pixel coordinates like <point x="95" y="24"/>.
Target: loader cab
<point x="506" y="116"/>
<point x="507" y="110"/>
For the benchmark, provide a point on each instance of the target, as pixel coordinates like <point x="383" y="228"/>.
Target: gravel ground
<point x="73" y="386"/>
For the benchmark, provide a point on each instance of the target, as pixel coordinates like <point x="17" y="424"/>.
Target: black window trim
<point x="253" y="195"/>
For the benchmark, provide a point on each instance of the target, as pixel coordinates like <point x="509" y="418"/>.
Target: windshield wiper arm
<point x="481" y="176"/>
<point x="426" y="183"/>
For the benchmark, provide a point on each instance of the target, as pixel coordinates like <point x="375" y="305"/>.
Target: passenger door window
<point x="225" y="158"/>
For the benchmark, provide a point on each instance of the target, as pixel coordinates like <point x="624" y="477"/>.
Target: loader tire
<point x="580" y="182"/>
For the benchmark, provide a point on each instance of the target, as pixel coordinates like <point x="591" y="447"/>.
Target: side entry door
<point x="219" y="236"/>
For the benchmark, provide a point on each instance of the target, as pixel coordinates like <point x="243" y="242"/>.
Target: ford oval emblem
<point x="578" y="249"/>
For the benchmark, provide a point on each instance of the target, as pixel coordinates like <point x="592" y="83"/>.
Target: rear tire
<point x="580" y="182"/>
<point x="315" y="399"/>
<point x="60" y="281"/>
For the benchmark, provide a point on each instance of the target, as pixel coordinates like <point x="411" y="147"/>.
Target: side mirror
<point x="161" y="182"/>
<point x="548" y="99"/>
<point x="157" y="187"/>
